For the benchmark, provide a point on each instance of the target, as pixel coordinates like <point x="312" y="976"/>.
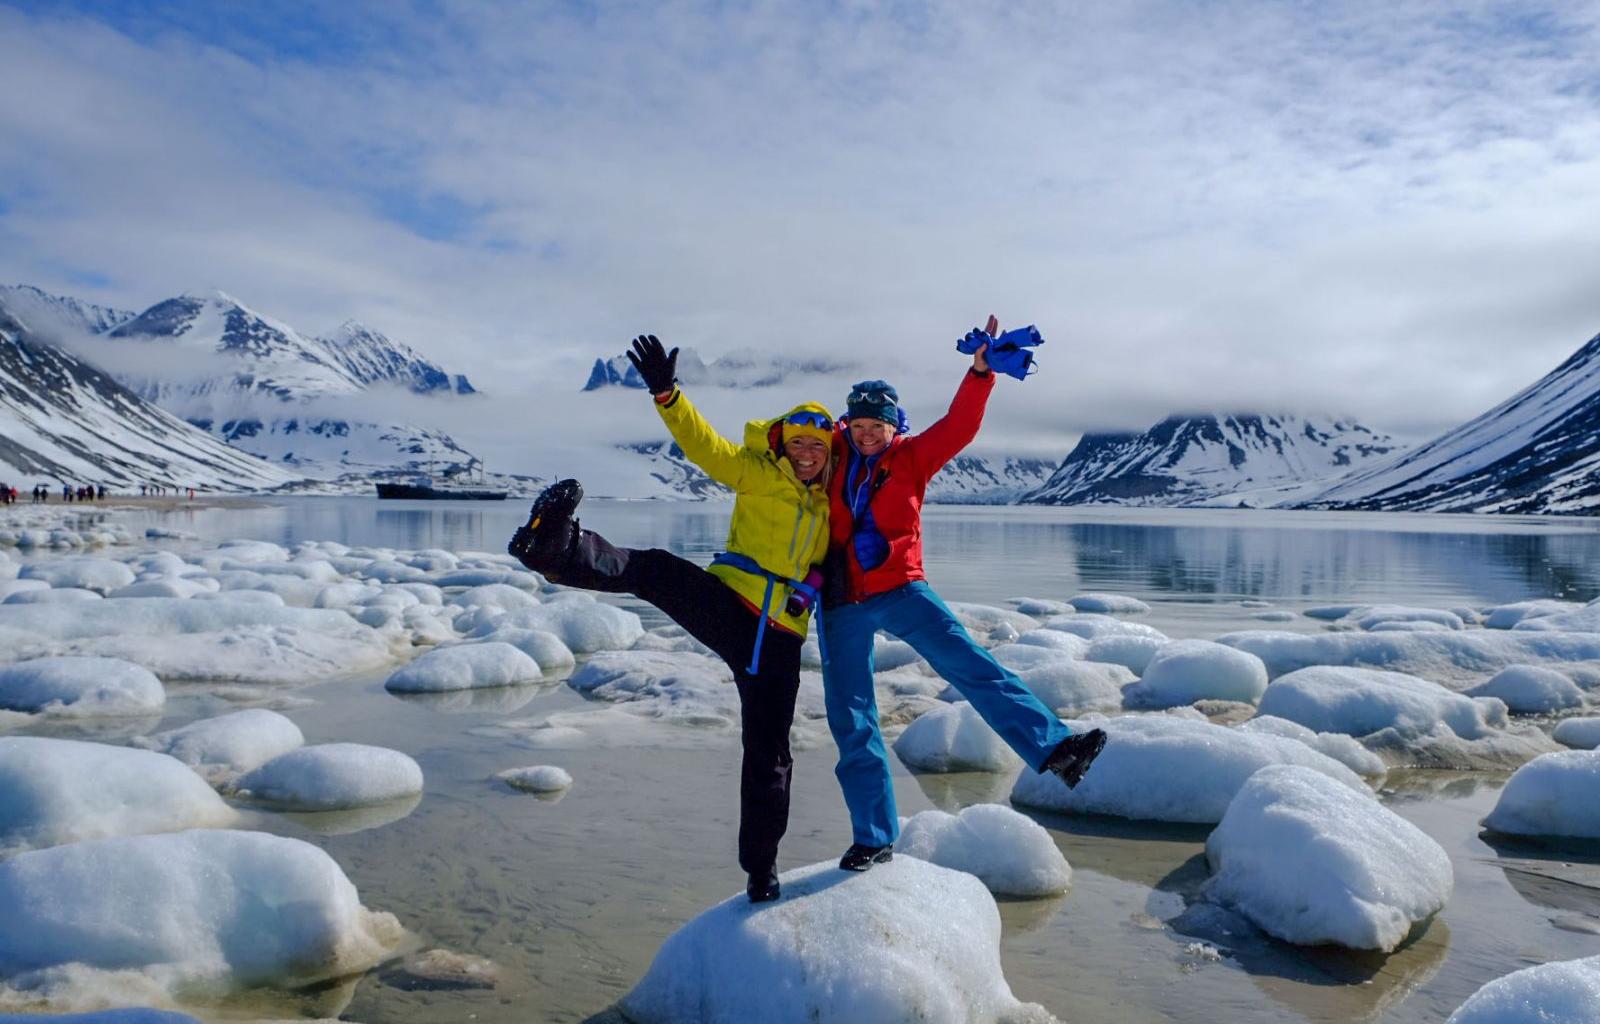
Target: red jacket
<point x="899" y="480"/>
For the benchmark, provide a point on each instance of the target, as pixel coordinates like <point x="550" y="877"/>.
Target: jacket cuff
<point x="980" y="374"/>
<point x="672" y="399"/>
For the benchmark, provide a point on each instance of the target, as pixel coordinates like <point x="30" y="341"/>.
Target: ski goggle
<point x="807" y="418"/>
<point x="875" y="396"/>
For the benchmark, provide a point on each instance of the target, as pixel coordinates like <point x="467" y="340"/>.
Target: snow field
<point x="201" y="909"/>
<point x="1010" y="853"/>
<point x="81" y="687"/>
<point x="907" y="941"/>
<point x="465" y="667"/>
<point x="1311" y="861"/>
<point x="543" y="778"/>
<point x="954" y="738"/>
<point x="1531" y="689"/>
<point x="1553" y="795"/>
<point x="220" y="748"/>
<point x="1565" y="992"/>
<point x="1184" y="671"/>
<point x="332" y="776"/>
<point x="1578" y="733"/>
<point x="1169" y="768"/>
<point x="55" y="791"/>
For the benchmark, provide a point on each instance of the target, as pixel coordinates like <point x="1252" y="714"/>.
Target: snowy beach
<point x="373" y="703"/>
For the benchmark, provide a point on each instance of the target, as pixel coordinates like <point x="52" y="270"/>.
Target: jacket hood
<point x="767" y="435"/>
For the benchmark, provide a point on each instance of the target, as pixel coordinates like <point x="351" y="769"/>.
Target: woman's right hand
<point x="657" y="366"/>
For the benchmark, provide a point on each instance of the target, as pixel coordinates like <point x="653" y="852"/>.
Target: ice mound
<point x="219" y="748"/>
<point x="62" y="595"/>
<point x="1466" y="656"/>
<point x="100" y="575"/>
<point x="1072" y="645"/>
<point x="60" y="791"/>
<point x="1506" y="616"/>
<point x="1579" y="733"/>
<point x="982" y="618"/>
<point x="1408" y="720"/>
<point x="954" y="738"/>
<point x="1037" y="606"/>
<point x="251" y="551"/>
<point x="81" y="687"/>
<point x="1553" y="795"/>
<point x="585" y="626"/>
<point x="1311" y="861"/>
<point x="1073" y="687"/>
<point x="1565" y="992"/>
<point x="165" y="586"/>
<point x="1578" y="620"/>
<point x="1131" y="652"/>
<point x="1019" y="657"/>
<point x="545" y="648"/>
<point x="494" y="595"/>
<point x="1093" y="626"/>
<point x="1108" y="604"/>
<point x="1531" y="689"/>
<point x="332" y="776"/>
<point x="1167" y="768"/>
<point x="1376" y="615"/>
<point x="1011" y="854"/>
<point x="908" y="941"/>
<point x="686" y="689"/>
<point x="465" y="667"/>
<point x="543" y="778"/>
<point x="201" y="910"/>
<point x="1184" y="671"/>
<point x="1344" y="749"/>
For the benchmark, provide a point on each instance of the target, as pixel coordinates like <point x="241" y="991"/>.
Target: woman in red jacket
<point x="875" y="581"/>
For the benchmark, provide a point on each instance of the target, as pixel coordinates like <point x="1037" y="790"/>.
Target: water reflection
<point x="354" y="819"/>
<point x="476" y="700"/>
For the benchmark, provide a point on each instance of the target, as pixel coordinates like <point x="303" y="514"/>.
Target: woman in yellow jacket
<point x="751" y="606"/>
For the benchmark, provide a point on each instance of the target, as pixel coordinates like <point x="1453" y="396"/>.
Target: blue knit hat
<point x="874" y="400"/>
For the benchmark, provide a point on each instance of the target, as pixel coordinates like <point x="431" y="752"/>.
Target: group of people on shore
<point x="827" y="520"/>
<point x="41" y="493"/>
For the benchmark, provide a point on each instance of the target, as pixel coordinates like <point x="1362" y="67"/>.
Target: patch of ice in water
<point x="954" y="738"/>
<point x="332" y="776"/>
<point x="543" y="778"/>
<point x="1583" y="620"/>
<point x="1108" y="604"/>
<point x="1565" y="992"/>
<point x="197" y="912"/>
<point x="982" y="618"/>
<point x="908" y="941"/>
<point x="1131" y="652"/>
<point x="494" y="595"/>
<point x="1077" y="686"/>
<point x="1531" y="689"/>
<point x="1409" y="626"/>
<point x="1505" y="616"/>
<point x="676" y="638"/>
<point x="81" y="687"/>
<point x="220" y="748"/>
<point x="1071" y="644"/>
<point x="1379" y="614"/>
<point x="1553" y="795"/>
<point x="1344" y="749"/>
<point x="1037" y="606"/>
<point x="1184" y="671"/>
<point x="1165" y="768"/>
<point x="465" y="667"/>
<point x="585" y="626"/>
<point x="545" y="648"/>
<point x="1311" y="861"/>
<point x="1019" y="657"/>
<point x="1011" y="854"/>
<point x="1410" y="721"/>
<point x="685" y="689"/>
<point x="61" y="791"/>
<point x="1332" y="612"/>
<point x="1092" y="626"/>
<point x="1461" y="657"/>
<point x="1578" y="733"/>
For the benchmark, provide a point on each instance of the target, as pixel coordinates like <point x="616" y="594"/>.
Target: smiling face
<point x="871" y="436"/>
<point x="807" y="455"/>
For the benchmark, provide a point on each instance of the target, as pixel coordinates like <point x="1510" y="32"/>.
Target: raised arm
<point x="944" y="440"/>
<point x="723" y="461"/>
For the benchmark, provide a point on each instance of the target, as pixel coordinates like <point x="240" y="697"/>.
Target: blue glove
<point x="1009" y="354"/>
<point x="974" y="340"/>
<point x="1020" y="337"/>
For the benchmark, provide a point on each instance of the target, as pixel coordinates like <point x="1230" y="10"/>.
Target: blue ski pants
<point x="915" y="614"/>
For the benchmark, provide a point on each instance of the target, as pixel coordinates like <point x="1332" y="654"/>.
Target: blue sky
<point x="1381" y="208"/>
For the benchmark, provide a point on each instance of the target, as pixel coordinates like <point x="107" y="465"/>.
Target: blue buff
<point x="871" y="547"/>
<point x="1008" y="354"/>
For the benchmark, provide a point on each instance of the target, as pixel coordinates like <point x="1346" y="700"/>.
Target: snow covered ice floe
<point x="1531" y="689"/>
<point x="332" y="776"/>
<point x="1344" y="749"/>
<point x="583" y="624"/>
<point x="1131" y="652"/>
<point x="1184" y="671"/>
<point x="194" y="912"/>
<point x="1553" y="795"/>
<point x="1406" y="720"/>
<point x="56" y="791"/>
<point x="686" y="689"/>
<point x="465" y="667"/>
<point x="545" y="648"/>
<point x="222" y="747"/>
<point x="1169" y="768"/>
<point x="1564" y="992"/>
<point x="1459" y="657"/>
<point x="982" y="618"/>
<point x="954" y="738"/>
<point x="1505" y="616"/>
<point x="908" y="941"/>
<point x="60" y="595"/>
<point x="1310" y="861"/>
<point x="81" y="687"/>
<point x="1010" y="853"/>
<point x="1092" y="626"/>
<point x="1373" y="616"/>
<point x="101" y="575"/>
<point x="1108" y="604"/>
<point x="542" y="778"/>
<point x="1578" y="733"/>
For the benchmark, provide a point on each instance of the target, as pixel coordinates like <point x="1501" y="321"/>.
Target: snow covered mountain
<point x="1536" y="452"/>
<point x="743" y="369"/>
<point x="988" y="479"/>
<point x="375" y="359"/>
<point x="63" y="421"/>
<point x="37" y="307"/>
<point x="1248" y="459"/>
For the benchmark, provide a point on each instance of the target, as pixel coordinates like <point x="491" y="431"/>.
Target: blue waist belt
<point x="744" y="563"/>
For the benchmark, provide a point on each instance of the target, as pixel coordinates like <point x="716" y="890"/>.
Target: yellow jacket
<point x="777" y="520"/>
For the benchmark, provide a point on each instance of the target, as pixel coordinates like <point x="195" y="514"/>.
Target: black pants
<point x="714" y="615"/>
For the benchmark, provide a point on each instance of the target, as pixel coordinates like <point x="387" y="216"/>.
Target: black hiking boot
<point x="763" y="886"/>
<point x="546" y="541"/>
<point x="1073" y="756"/>
<point x="860" y="858"/>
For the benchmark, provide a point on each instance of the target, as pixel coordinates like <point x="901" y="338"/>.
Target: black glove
<point x="655" y="364"/>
